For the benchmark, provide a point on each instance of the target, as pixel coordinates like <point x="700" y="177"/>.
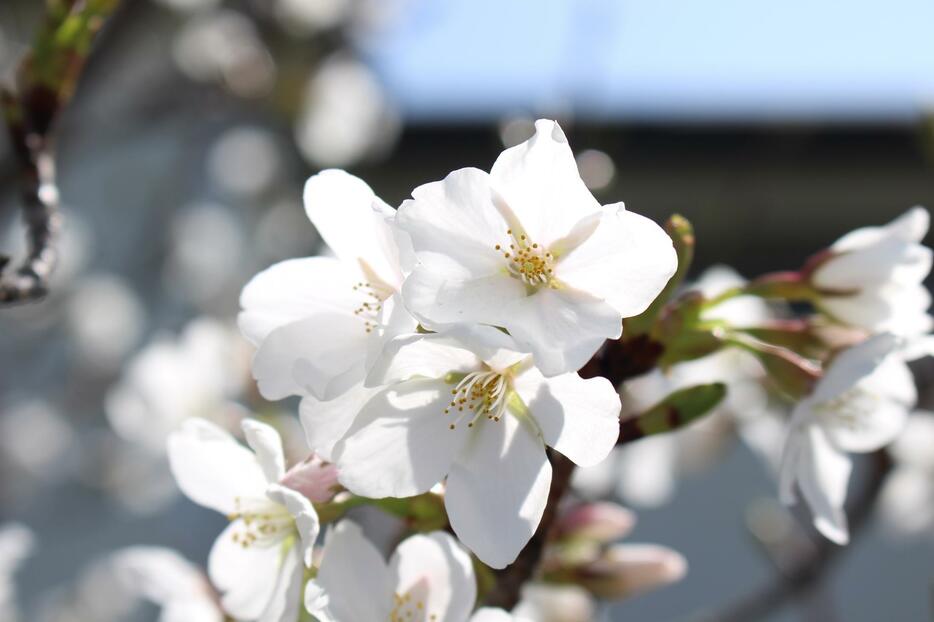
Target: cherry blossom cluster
<point x="448" y="352"/>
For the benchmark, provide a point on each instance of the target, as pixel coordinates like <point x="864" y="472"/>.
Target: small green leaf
<point x="675" y="411"/>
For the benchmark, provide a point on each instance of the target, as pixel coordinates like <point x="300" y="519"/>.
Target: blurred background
<point x="775" y="128"/>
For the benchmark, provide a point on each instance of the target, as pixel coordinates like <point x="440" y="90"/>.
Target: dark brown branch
<point x="800" y="574"/>
<point x="30" y="281"/>
<point x="45" y="82"/>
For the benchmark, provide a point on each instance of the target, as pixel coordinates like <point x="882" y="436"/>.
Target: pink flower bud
<point x="601" y="521"/>
<point x="628" y="569"/>
<point x="314" y="478"/>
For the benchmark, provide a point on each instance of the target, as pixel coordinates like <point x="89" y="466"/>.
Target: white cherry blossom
<point x="258" y="561"/>
<point x="317" y="321"/>
<point x="429" y="578"/>
<point x="197" y="374"/>
<point x="167" y="579"/>
<point x="860" y="405"/>
<point x="467" y="406"/>
<point x="16" y="544"/>
<point x="872" y="278"/>
<point x="907" y="501"/>
<point x="527" y="247"/>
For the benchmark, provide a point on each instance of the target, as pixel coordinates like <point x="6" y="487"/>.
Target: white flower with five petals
<point x="528" y="248"/>
<point x="860" y="405"/>
<point x="467" y="406"/>
<point x="258" y="561"/>
<point x="317" y="321"/>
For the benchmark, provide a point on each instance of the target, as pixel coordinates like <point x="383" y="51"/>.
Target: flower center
<point x="481" y="394"/>
<point x="410" y="607"/>
<point x="373" y="296"/>
<point x="527" y="261"/>
<point x="263" y="523"/>
<point x="852" y="407"/>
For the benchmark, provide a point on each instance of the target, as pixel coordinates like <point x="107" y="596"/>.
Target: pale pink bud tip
<point x="314" y="478"/>
<point x="628" y="569"/>
<point x="601" y="521"/>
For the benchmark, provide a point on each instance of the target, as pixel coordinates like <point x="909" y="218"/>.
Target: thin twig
<point x="800" y="575"/>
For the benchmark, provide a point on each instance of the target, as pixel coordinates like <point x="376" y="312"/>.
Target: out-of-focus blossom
<point x="35" y="439"/>
<point x="204" y="271"/>
<point x="197" y="374"/>
<point x="16" y="544"/>
<point x="223" y="46"/>
<point x="244" y="161"/>
<point x="311" y="16"/>
<point x="318" y="322"/>
<point x="908" y="497"/>
<point x="429" y="577"/>
<point x="283" y="232"/>
<point x="105" y="318"/>
<point x="596" y="168"/>
<point x="346" y="117"/>
<point x="528" y="248"/>
<point x="872" y="277"/>
<point x="467" y="406"/>
<point x="860" y="405"/>
<point x="167" y="579"/>
<point x="543" y="602"/>
<point x="189" y="5"/>
<point x="258" y="562"/>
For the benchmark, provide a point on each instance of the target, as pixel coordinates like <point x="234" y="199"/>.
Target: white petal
<point x="304" y="514"/>
<point x="323" y="355"/>
<point x="400" y="444"/>
<point x="874" y="414"/>
<point x="418" y="355"/>
<point x="318" y="602"/>
<point x="823" y="475"/>
<point x="497" y="490"/>
<point x="627" y="261"/>
<point x="267" y="445"/>
<point x="455" y="221"/>
<point x="285" y="603"/>
<point x="562" y="328"/>
<point x="295" y="289"/>
<point x="579" y="418"/>
<point x="890" y="260"/>
<point x="911" y="226"/>
<point x="246" y="577"/>
<point x="354" y="576"/>
<point x="354" y="223"/>
<point x="211" y="468"/>
<point x="325" y="423"/>
<point x="540" y="183"/>
<point x="489" y="614"/>
<point x="852" y="365"/>
<point x="440" y="296"/>
<point x="203" y="610"/>
<point x="437" y="564"/>
<point x="159" y="575"/>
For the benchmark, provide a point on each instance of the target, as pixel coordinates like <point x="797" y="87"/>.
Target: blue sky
<point x="661" y="59"/>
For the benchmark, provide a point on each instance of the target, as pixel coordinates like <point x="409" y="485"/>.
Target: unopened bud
<point x="601" y="521"/>
<point x="628" y="569"/>
<point x="314" y="478"/>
